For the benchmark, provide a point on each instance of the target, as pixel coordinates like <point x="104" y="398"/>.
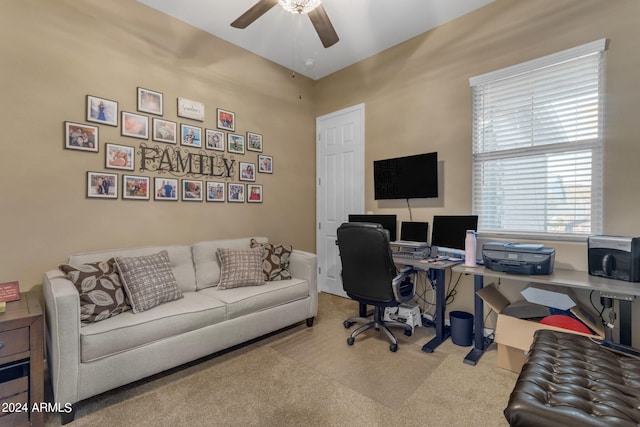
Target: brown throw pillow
<point x="101" y="293"/>
<point x="275" y="260"/>
<point x="240" y="267"/>
<point x="148" y="280"/>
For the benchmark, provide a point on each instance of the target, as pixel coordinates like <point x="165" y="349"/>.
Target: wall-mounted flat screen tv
<point x="410" y="177"/>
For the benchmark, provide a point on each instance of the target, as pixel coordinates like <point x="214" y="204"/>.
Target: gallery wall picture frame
<point x="135" y="125"/>
<point x="165" y="189"/>
<point x="254" y="142"/>
<point x="235" y="143"/>
<point x="215" y="191"/>
<point x="102" y="185"/>
<point x="265" y="164"/>
<point x="135" y="187"/>
<point x="79" y="136"/>
<point x="247" y="171"/>
<point x="191" y="136"/>
<point x="226" y="119"/>
<point x="119" y="156"/>
<point x="192" y="190"/>
<point x="150" y="101"/>
<point x="214" y="140"/>
<point x="164" y="131"/>
<point x="191" y="109"/>
<point x="254" y="192"/>
<point x="235" y="192"/>
<point x="102" y="110"/>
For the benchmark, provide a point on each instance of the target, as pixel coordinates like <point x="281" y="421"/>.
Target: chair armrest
<point x="399" y="280"/>
<point x="62" y="311"/>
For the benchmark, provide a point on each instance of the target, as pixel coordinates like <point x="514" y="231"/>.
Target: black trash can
<point x="461" y="328"/>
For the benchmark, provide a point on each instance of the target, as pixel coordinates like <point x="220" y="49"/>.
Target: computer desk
<point x="438" y="268"/>
<point x="559" y="277"/>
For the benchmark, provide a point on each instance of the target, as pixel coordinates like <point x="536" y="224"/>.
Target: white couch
<point x="87" y="359"/>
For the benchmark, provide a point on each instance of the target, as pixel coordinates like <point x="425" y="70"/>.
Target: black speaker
<point x="614" y="257"/>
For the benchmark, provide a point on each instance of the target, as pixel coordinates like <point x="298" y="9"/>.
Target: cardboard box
<point x="514" y="336"/>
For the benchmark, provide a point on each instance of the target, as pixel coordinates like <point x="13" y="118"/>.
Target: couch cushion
<point x="129" y="330"/>
<point x="207" y="266"/>
<point x="101" y="292"/>
<point x="179" y="259"/>
<point x="148" y="280"/>
<point x="275" y="260"/>
<point x="242" y="301"/>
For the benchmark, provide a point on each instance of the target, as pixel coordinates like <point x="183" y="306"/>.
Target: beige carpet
<point x="368" y="366"/>
<point x="311" y="377"/>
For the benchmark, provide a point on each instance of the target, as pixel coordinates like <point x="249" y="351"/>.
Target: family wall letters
<point x="185" y="163"/>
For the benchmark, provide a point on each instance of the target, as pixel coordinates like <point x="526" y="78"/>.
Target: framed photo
<point x="135" y="187"/>
<point x="165" y="189"/>
<point x="135" y="125"/>
<point x="192" y="190"/>
<point x="149" y="101"/>
<point x="255" y="193"/>
<point x="191" y="109"/>
<point x="254" y="142"/>
<point x="119" y="157"/>
<point x="235" y="143"/>
<point x="265" y="164"/>
<point x="191" y="136"/>
<point x="247" y="171"/>
<point x="226" y="120"/>
<point x="102" y="110"/>
<point x="215" y="139"/>
<point x="215" y="191"/>
<point x="78" y="136"/>
<point x="164" y="131"/>
<point x="102" y="185"/>
<point x="236" y="192"/>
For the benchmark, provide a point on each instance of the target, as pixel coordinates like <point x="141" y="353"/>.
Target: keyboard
<point x="410" y="244"/>
<point x="412" y="254"/>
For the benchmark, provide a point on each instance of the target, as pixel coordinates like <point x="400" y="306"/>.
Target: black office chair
<point x="369" y="276"/>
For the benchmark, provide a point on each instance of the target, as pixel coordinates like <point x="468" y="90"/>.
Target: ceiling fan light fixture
<point x="299" y="6"/>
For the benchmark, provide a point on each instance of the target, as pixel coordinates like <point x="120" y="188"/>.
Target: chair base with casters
<point x="379" y="325"/>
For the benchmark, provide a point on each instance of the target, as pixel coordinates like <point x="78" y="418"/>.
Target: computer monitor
<point x="414" y="231"/>
<point x="450" y="231"/>
<point x="388" y="222"/>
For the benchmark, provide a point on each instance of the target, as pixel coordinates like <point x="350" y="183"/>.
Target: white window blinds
<point x="537" y="146"/>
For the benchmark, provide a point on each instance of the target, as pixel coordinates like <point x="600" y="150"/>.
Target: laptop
<point x="413" y="235"/>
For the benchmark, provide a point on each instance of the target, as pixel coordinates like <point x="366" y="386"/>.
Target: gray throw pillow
<point x="148" y="280"/>
<point x="240" y="267"/>
<point x="101" y="293"/>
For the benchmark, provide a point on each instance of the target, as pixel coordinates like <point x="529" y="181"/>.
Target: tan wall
<point x="54" y="53"/>
<point x="417" y="100"/>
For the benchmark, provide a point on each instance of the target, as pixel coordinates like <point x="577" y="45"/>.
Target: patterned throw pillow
<point x="101" y="293"/>
<point x="275" y="260"/>
<point x="240" y="267"/>
<point x="148" y="280"/>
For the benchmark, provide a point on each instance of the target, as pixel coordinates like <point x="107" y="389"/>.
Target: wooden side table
<point x="21" y="362"/>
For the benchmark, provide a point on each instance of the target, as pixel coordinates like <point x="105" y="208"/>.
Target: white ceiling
<point x="365" y="27"/>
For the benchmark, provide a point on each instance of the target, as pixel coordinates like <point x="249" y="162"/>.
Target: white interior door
<point x="340" y="186"/>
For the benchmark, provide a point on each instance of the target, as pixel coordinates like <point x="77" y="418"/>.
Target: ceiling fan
<point x="313" y="8"/>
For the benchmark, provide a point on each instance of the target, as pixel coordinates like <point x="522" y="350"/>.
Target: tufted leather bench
<point x="569" y="380"/>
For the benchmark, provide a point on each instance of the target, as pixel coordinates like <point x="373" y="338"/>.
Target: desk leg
<point x="442" y="331"/>
<point x="625" y="322"/>
<point x="479" y="342"/>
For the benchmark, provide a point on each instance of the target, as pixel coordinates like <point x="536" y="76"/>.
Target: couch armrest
<point x="62" y="311"/>
<point x="304" y="265"/>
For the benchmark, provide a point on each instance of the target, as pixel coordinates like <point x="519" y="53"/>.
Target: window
<point x="537" y="146"/>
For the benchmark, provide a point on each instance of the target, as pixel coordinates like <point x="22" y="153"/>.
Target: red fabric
<point x="566" y="322"/>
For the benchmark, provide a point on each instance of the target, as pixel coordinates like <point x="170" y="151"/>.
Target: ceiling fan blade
<point x="255" y="12"/>
<point x="323" y="26"/>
